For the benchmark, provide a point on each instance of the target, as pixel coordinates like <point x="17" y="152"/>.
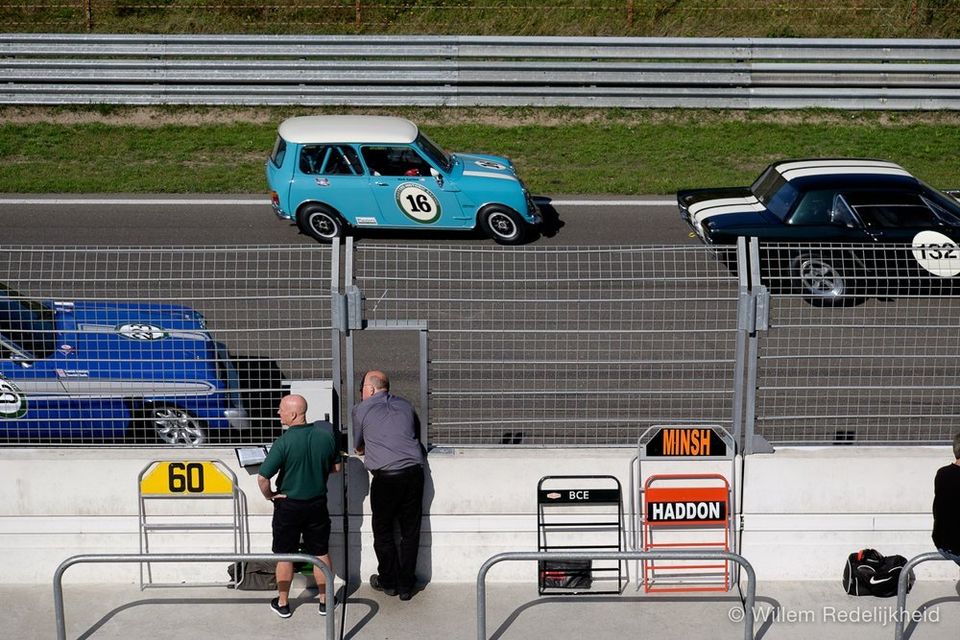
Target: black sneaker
<point x="377" y="586"/>
<point x="323" y="607"/>
<point x="283" y="612"/>
<point x="406" y="595"/>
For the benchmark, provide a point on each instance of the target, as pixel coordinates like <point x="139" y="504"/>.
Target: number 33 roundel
<point x="417" y="203"/>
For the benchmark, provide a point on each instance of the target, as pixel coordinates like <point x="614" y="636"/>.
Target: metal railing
<point x="410" y="70"/>
<point x="748" y="603"/>
<point x="901" y="611"/>
<point x="329" y="622"/>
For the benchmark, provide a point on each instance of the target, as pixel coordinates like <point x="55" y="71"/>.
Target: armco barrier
<point x="329" y="623"/>
<point x="902" y="588"/>
<point x="748" y="604"/>
<point x="409" y="70"/>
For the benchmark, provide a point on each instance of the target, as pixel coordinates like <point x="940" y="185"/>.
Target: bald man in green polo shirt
<point x="301" y="458"/>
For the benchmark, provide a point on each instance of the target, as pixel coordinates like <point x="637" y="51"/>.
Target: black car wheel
<point x="821" y="282"/>
<point x="320" y="222"/>
<point x="503" y="225"/>
<point x="173" y="425"/>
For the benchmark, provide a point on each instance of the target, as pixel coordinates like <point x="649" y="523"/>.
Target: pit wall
<point x="804" y="510"/>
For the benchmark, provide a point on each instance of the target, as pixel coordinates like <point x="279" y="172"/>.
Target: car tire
<point x="320" y="222"/>
<point x="169" y="424"/>
<point x="504" y="225"/>
<point x="821" y="282"/>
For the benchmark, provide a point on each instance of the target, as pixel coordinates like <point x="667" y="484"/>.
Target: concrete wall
<point x="804" y="510"/>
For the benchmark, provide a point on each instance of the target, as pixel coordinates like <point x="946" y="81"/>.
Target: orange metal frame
<point x="685" y="494"/>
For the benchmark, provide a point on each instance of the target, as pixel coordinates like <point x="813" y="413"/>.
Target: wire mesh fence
<point x="178" y="346"/>
<point x="757" y="18"/>
<point x="861" y="344"/>
<point x="562" y="346"/>
<point x="532" y="346"/>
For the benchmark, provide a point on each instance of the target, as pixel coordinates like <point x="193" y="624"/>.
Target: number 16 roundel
<point x="417" y="203"/>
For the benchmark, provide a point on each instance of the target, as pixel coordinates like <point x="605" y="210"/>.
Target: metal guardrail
<point x="329" y="623"/>
<point x="408" y="70"/>
<point x="748" y="604"/>
<point x="901" y="611"/>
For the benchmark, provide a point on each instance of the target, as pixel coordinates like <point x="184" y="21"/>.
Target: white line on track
<point x="226" y="202"/>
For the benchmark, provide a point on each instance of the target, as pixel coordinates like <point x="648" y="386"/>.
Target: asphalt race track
<point x="238" y="220"/>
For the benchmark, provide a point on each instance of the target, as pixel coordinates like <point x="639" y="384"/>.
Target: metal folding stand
<point x="579" y="513"/>
<point x="180" y="480"/>
<point x="685" y="511"/>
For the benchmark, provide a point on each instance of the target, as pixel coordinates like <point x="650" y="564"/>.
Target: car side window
<point x="316" y="159"/>
<point x="395" y="161"/>
<point x="312" y="157"/>
<point x="841" y="214"/>
<point x="896" y="216"/>
<point x="815" y="208"/>
<point x="337" y="163"/>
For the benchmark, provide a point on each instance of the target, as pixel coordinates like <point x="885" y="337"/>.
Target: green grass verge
<point x="557" y="151"/>
<point x="755" y="18"/>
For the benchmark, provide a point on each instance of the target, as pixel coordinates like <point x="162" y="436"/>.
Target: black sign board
<point x="687" y="442"/>
<point x="578" y="496"/>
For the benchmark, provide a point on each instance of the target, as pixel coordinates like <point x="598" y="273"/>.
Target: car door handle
<point x="381" y="184"/>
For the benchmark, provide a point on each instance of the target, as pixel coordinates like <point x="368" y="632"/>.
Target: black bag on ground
<point x="870" y="573"/>
<point x="566" y="574"/>
<point x="257" y="575"/>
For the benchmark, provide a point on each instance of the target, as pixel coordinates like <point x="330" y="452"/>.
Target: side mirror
<point x="437" y="176"/>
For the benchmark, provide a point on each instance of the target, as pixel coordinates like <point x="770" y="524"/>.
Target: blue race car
<point x="95" y="370"/>
<point x="333" y="173"/>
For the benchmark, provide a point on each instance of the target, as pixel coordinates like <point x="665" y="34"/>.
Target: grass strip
<point x="557" y="151"/>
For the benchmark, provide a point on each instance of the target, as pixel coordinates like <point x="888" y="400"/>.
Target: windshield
<point x="26" y="325"/>
<point x="774" y="192"/>
<point x="435" y="153"/>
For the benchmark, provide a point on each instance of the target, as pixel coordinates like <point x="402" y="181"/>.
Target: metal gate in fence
<point x="498" y="346"/>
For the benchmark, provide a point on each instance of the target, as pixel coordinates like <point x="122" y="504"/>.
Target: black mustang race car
<point x="898" y="235"/>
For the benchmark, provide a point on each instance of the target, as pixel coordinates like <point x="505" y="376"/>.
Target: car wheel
<point x="173" y="425"/>
<point x="320" y="222"/>
<point x="821" y="282"/>
<point x="503" y="225"/>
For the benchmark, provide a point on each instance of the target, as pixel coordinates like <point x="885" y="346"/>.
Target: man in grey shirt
<point x="385" y="431"/>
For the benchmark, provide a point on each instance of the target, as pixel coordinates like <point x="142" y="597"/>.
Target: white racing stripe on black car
<point x="793" y="174"/>
<point x="866" y="165"/>
<point x="712" y="208"/>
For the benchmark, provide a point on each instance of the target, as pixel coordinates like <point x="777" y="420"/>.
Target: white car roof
<point x="327" y="129"/>
<point x="804" y="168"/>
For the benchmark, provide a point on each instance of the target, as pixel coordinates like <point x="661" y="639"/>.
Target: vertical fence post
<point x="630" y="15"/>
<point x="88" y="10"/>
<point x="357" y="17"/>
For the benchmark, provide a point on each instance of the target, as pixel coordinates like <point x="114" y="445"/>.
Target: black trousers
<point x="396" y="497"/>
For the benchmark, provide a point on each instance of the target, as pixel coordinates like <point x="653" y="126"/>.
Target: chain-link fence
<point x="561" y="346"/>
<point x="690" y="18"/>
<point x="179" y="346"/>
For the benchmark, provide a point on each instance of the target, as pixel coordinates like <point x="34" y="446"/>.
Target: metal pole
<point x="350" y="396"/>
<point x="616" y="555"/>
<point x="330" y="624"/>
<point x="424" y="391"/>
<point x="335" y="334"/>
<point x="901" y="612"/>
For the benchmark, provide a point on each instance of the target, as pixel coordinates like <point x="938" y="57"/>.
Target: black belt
<point x="390" y="473"/>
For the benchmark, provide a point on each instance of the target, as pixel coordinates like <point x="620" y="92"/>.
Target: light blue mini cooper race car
<point x="334" y="173"/>
<point x="98" y="370"/>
